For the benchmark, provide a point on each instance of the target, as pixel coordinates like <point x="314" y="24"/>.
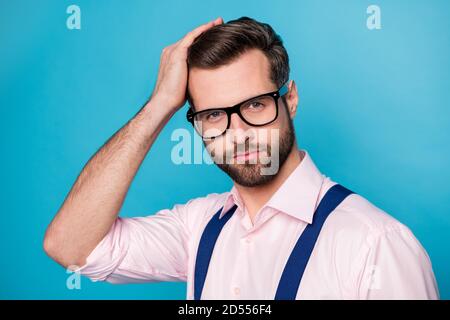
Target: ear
<point x="292" y="99"/>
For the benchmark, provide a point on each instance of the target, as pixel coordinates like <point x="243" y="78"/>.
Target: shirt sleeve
<point x="396" y="266"/>
<point x="142" y="249"/>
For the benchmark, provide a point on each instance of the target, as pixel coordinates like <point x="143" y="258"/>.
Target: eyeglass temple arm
<point x="284" y="89"/>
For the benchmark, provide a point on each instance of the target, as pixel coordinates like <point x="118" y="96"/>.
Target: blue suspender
<point x="296" y="264"/>
<point x="206" y="247"/>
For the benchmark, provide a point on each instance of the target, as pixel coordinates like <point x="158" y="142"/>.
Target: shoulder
<point x="357" y="226"/>
<point x="377" y="254"/>
<point x="359" y="217"/>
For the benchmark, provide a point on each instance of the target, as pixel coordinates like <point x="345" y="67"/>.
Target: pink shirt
<point x="361" y="252"/>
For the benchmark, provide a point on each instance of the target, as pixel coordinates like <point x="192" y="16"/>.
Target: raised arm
<point x="93" y="203"/>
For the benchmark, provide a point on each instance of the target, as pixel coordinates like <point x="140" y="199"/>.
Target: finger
<point x="189" y="38"/>
<point x="219" y="20"/>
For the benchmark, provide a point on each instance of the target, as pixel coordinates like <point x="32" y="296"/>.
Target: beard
<point x="250" y="174"/>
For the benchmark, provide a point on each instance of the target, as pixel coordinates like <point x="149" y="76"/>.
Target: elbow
<point x="63" y="255"/>
<point x="52" y="247"/>
<point x="49" y="245"/>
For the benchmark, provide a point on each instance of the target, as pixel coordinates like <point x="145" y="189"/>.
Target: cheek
<point x="270" y="136"/>
<point x="217" y="147"/>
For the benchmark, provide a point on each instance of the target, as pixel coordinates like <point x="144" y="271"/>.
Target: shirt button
<point x="246" y="240"/>
<point x="237" y="291"/>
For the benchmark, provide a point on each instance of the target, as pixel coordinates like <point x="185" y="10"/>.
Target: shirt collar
<point x="232" y="199"/>
<point x="298" y="195"/>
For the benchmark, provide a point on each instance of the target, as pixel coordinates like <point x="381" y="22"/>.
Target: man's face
<point x="250" y="155"/>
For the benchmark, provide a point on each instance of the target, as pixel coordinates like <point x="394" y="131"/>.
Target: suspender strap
<point x="296" y="264"/>
<point x="206" y="247"/>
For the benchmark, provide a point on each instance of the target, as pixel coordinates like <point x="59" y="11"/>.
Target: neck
<point x="254" y="198"/>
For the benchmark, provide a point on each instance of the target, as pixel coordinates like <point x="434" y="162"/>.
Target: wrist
<point x="152" y="117"/>
<point x="159" y="107"/>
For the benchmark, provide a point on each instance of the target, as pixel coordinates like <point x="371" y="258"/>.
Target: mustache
<point x="243" y="148"/>
<point x="247" y="148"/>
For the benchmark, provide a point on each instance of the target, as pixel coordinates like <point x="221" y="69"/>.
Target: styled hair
<point x="221" y="44"/>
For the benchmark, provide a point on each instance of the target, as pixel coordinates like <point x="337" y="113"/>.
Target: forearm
<point x="95" y="199"/>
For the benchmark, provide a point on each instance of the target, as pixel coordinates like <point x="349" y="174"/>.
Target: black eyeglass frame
<point x="190" y="115"/>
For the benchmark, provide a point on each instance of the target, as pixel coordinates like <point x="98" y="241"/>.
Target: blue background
<point x="374" y="114"/>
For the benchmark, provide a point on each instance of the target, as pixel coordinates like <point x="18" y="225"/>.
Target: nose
<point x="240" y="131"/>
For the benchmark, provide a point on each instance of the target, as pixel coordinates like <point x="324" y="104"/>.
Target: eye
<point x="256" y="105"/>
<point x="214" y="115"/>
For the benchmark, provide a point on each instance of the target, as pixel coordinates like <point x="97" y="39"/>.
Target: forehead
<point x="243" y="78"/>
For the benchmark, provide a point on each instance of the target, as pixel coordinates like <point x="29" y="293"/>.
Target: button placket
<point x="235" y="287"/>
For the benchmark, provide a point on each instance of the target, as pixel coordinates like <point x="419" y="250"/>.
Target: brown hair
<point x="221" y="44"/>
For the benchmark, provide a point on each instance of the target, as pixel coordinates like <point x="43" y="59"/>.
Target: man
<point x="284" y="231"/>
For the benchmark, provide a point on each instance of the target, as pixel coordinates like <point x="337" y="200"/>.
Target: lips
<point x="246" y="155"/>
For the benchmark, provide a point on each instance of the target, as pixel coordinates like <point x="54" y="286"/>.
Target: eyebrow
<point x="242" y="101"/>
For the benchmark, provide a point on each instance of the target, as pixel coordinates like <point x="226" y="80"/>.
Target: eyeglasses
<point x="257" y="111"/>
